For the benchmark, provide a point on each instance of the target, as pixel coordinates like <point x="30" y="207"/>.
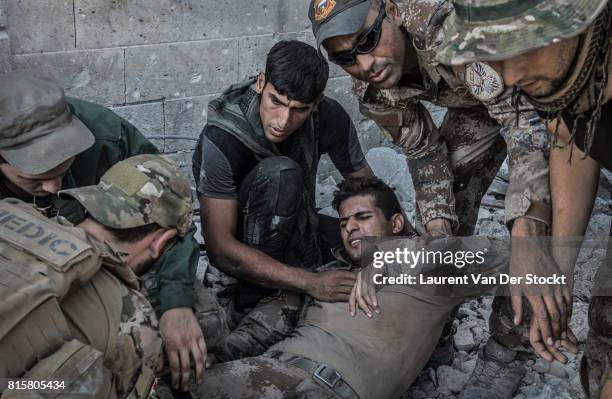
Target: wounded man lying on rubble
<point x="332" y="354"/>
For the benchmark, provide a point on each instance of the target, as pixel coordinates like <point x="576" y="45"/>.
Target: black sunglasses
<point x="366" y="42"/>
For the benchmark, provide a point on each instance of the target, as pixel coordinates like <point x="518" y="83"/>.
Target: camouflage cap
<point x="331" y="18"/>
<point x="37" y="130"/>
<point x="493" y="30"/>
<point x="140" y="190"/>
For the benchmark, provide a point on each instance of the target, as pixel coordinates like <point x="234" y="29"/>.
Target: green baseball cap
<point x="138" y="191"/>
<point x="331" y="18"/>
<point x="37" y="130"/>
<point x="493" y="30"/>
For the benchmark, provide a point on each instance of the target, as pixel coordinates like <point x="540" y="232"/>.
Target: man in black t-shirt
<point x="255" y="167"/>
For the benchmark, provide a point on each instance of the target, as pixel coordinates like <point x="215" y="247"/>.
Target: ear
<point x="393" y="13"/>
<point x="160" y="239"/>
<point x="316" y="103"/>
<point x="261" y="83"/>
<point x="398" y="223"/>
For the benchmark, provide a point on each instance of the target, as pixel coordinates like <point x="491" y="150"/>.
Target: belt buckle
<point x="336" y="377"/>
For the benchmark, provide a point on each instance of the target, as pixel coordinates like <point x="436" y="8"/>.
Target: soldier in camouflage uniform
<point x="49" y="142"/>
<point x="70" y="305"/>
<point x="556" y="54"/>
<point x="389" y="48"/>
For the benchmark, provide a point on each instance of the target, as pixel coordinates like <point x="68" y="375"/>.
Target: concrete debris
<point x="463" y="339"/>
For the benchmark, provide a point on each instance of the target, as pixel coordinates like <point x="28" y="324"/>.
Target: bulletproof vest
<point x="46" y="270"/>
<point x="236" y="111"/>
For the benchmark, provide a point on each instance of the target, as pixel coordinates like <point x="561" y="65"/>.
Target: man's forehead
<point x="270" y="89"/>
<point x="357" y="204"/>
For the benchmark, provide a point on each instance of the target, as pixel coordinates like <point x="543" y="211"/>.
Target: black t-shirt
<point x="221" y="161"/>
<point x="601" y="149"/>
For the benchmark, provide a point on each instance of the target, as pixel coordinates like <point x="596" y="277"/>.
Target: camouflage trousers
<point x="233" y="332"/>
<point x="254" y="330"/>
<point x="597" y="360"/>
<point x="260" y="377"/>
<point x="476" y="150"/>
<point x="211" y="316"/>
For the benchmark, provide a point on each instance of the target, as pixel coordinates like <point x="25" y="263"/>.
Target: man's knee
<point x="277" y="179"/>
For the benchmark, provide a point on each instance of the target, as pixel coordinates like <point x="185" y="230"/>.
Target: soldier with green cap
<point x="389" y="49"/>
<point x="49" y="142"/>
<point x="75" y="314"/>
<point x="556" y="55"/>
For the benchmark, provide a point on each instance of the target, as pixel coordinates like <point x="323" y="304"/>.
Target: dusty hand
<point x="184" y="342"/>
<point x="551" y="304"/>
<point x="363" y="295"/>
<point x="551" y="352"/>
<point x="332" y="286"/>
<point x="439" y="227"/>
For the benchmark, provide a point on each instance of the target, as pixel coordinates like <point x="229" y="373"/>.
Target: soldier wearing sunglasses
<point x="388" y="47"/>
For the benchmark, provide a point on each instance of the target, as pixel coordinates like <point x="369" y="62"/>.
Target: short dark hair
<point x="384" y="196"/>
<point x="297" y="71"/>
<point x="132" y="234"/>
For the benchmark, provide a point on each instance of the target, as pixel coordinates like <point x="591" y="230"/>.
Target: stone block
<point x="293" y="16"/>
<point x="5" y="53"/>
<point x="148" y="118"/>
<point x="180" y="69"/>
<point x="183" y="160"/>
<point x="93" y="75"/>
<point x="340" y="90"/>
<point x="3" y="13"/>
<point x="41" y="25"/>
<point x="185" y="117"/>
<point x="254" y="49"/>
<point x="104" y="23"/>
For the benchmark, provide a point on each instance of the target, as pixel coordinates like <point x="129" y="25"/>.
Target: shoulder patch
<point x="484" y="81"/>
<point x="39" y="237"/>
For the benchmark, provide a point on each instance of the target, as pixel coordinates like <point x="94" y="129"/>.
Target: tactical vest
<point x="236" y="111"/>
<point x="61" y="313"/>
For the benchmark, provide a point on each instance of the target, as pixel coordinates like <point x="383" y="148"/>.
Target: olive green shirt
<point x="115" y="140"/>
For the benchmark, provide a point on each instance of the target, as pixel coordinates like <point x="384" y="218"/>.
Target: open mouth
<point x="354" y="242"/>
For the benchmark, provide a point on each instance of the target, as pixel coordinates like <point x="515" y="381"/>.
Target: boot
<point x="497" y="374"/>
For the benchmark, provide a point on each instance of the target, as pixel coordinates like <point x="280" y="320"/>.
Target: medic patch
<point x="484" y="82"/>
<point x="323" y="8"/>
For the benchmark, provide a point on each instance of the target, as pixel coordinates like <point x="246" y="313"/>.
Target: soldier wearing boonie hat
<point x="138" y="191"/>
<point x="50" y="142"/>
<point x="556" y="55"/>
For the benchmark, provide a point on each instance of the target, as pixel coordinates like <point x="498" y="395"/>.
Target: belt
<point x="322" y="373"/>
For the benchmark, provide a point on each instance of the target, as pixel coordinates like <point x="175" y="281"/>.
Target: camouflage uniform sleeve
<point x="411" y="128"/>
<point x="527" y="140"/>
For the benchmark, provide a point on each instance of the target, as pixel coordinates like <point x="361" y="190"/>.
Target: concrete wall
<point x="156" y="62"/>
